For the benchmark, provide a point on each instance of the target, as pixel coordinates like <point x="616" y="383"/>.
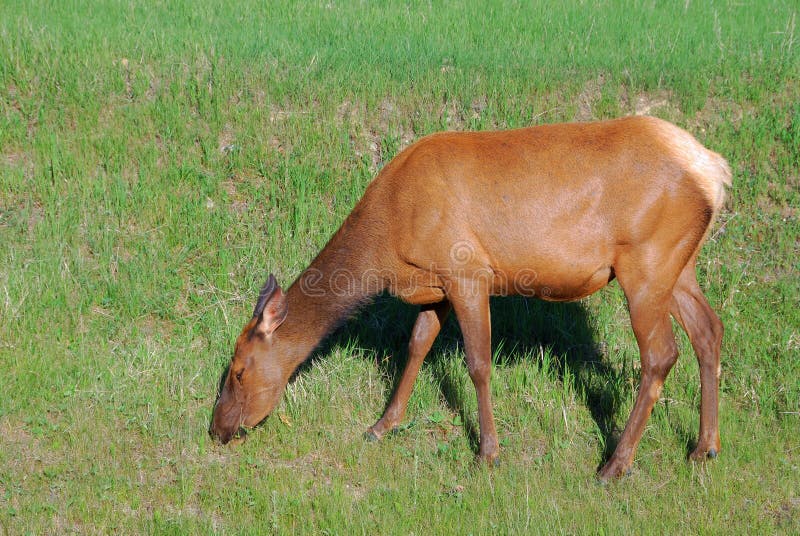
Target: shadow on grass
<point x="520" y="327"/>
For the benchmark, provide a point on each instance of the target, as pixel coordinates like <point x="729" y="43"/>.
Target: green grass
<point x="158" y="159"/>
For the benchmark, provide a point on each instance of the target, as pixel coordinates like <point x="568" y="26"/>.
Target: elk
<point x="552" y="211"/>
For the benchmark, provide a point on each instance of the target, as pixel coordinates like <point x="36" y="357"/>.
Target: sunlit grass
<point x="157" y="160"/>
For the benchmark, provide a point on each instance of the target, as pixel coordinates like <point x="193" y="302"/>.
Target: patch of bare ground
<point x="773" y="201"/>
<point x="318" y="469"/>
<point x="35" y="216"/>
<point x="238" y="202"/>
<point x="660" y="102"/>
<point x="451" y="115"/>
<point x="716" y="110"/>
<point x="787" y="513"/>
<point x="279" y="114"/>
<point x="533" y="451"/>
<point x="17" y="159"/>
<point x="88" y="260"/>
<point x="369" y="131"/>
<point x="479" y="105"/>
<point x="154" y="87"/>
<point x="663" y="103"/>
<point x="32" y="119"/>
<point x="278" y="146"/>
<point x="364" y="140"/>
<point x="225" y="139"/>
<point x="24" y="456"/>
<point x="14" y="435"/>
<point x="392" y="124"/>
<point x="159" y="475"/>
<point x="589" y="95"/>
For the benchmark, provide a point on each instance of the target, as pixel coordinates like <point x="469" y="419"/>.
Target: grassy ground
<point x="158" y="159"/>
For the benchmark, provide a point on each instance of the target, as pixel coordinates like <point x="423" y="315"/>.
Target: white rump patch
<point x="711" y="171"/>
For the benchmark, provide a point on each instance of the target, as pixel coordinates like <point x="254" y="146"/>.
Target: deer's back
<point x="556" y="203"/>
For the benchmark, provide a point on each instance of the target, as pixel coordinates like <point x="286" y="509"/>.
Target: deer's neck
<point x="344" y="276"/>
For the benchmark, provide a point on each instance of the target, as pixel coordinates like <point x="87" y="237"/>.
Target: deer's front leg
<point x="471" y="305"/>
<point x="428" y="324"/>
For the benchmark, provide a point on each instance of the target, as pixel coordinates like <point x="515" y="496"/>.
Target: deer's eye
<point x="239" y="376"/>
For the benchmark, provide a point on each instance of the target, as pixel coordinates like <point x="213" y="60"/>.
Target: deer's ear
<point x="271" y="308"/>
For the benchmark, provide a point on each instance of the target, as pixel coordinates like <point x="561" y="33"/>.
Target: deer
<point x="553" y="211"/>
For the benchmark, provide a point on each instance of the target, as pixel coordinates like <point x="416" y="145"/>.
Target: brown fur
<point x="553" y="211"/>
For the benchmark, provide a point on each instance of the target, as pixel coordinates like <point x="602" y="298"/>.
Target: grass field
<point x="159" y="159"/>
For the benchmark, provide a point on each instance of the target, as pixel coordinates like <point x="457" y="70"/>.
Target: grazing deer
<point x="553" y="211"/>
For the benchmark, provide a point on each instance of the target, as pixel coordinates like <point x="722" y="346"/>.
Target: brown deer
<point x="553" y="211"/>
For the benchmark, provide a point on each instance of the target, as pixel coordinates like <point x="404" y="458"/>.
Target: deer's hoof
<point x="701" y="454"/>
<point x="613" y="470"/>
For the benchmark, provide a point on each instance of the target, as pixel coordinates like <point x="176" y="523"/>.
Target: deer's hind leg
<point x="704" y="328"/>
<point x="647" y="284"/>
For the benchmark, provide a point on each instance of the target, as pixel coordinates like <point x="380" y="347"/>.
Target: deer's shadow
<point x="523" y="327"/>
